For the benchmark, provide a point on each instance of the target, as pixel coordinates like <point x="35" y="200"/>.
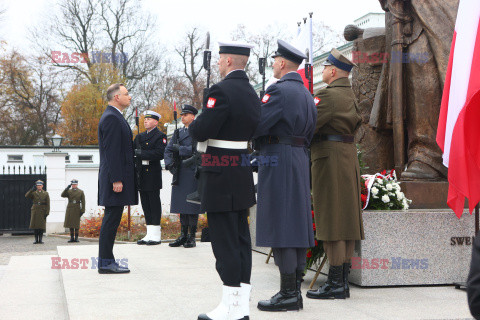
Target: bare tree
<point x="191" y="54"/>
<point x="30" y="100"/>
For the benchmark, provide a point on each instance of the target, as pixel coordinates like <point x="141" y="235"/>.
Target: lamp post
<point x="56" y="142"/>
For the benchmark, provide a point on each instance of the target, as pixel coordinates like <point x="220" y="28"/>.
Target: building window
<point x="88" y="158"/>
<point x="15" y="158"/>
<point x="67" y="159"/>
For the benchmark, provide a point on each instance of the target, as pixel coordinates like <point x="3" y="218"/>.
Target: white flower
<point x="389" y="187"/>
<point x="385" y="198"/>
<point x="379" y="180"/>
<point x="400" y="195"/>
<point x="374" y="191"/>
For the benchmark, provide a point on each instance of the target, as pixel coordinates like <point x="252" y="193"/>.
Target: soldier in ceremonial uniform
<point x="75" y="209"/>
<point x="284" y="218"/>
<point x="40" y="209"/>
<point x="186" y="181"/>
<point x="230" y="116"/>
<point x="336" y="175"/>
<point x="150" y="147"/>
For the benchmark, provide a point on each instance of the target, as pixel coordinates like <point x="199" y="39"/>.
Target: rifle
<point x="177" y="161"/>
<point x="196" y="158"/>
<point x="261" y="69"/>
<point x="308" y="72"/>
<point x="138" y="160"/>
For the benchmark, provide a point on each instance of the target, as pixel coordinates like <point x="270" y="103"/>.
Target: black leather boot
<point x="190" y="243"/>
<point x="72" y="232"/>
<point x="40" y="236"/>
<point x="35" y="231"/>
<point x="299" y="281"/>
<point x="286" y="299"/>
<point x="333" y="288"/>
<point x="182" y="239"/>
<point x="76" y="236"/>
<point x="346" y="272"/>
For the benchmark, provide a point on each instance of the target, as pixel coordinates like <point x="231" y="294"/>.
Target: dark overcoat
<point x="115" y="142"/>
<point x="335" y="168"/>
<point x="153" y="146"/>
<point x="473" y="282"/>
<point x="40" y="208"/>
<point x="231" y="112"/>
<point x="187" y="183"/>
<point x="75" y="207"/>
<point x="284" y="214"/>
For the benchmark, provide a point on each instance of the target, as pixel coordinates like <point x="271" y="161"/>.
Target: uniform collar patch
<point x="211" y="102"/>
<point x="164" y="141"/>
<point x="265" y="98"/>
<point x="317" y="100"/>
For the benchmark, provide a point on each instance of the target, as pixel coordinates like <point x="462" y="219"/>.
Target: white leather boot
<point x="245" y="300"/>
<point x="155" y="236"/>
<point x="147" y="237"/>
<point x="229" y="308"/>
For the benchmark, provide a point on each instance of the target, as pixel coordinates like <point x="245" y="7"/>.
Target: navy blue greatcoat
<point x="116" y="160"/>
<point x="187" y="183"/>
<point x="232" y="113"/>
<point x="284" y="218"/>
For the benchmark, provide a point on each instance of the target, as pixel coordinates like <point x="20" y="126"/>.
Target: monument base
<point x="427" y="194"/>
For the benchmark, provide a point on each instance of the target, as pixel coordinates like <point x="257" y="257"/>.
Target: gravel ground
<point x="23" y="245"/>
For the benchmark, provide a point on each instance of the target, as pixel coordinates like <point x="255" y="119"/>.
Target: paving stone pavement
<point x="22" y="245"/>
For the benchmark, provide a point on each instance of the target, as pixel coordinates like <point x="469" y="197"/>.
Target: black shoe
<point x="141" y="242"/>
<point x="180" y="240"/>
<point x="299" y="281"/>
<point x="203" y="316"/>
<point x="40" y="236"/>
<point x="152" y="243"/>
<point x="113" y="268"/>
<point x="71" y="239"/>
<point x="346" y="272"/>
<point x="333" y="288"/>
<point x="286" y="299"/>
<point x="190" y="243"/>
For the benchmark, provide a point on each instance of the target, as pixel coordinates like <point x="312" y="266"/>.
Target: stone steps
<point x="30" y="289"/>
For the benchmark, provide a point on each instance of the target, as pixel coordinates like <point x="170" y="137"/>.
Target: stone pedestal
<point x="55" y="163"/>
<point x="414" y="247"/>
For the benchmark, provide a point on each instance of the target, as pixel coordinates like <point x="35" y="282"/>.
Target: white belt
<point x="145" y="162"/>
<point x="223" y="144"/>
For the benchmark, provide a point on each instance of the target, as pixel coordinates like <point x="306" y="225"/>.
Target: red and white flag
<point x="304" y="42"/>
<point x="458" y="130"/>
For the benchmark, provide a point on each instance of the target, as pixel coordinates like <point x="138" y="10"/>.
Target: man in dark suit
<point x="116" y="184"/>
<point x="150" y="148"/>
<point x="230" y="116"/>
<point x="284" y="218"/>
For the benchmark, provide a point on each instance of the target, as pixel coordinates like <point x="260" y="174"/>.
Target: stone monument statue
<point x="406" y="103"/>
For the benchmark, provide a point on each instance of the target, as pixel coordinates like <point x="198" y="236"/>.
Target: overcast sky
<point x="220" y="17"/>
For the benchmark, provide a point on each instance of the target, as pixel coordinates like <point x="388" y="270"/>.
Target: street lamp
<point x="57" y="142"/>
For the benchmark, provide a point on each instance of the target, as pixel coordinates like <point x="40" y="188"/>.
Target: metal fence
<point x="15" y="181"/>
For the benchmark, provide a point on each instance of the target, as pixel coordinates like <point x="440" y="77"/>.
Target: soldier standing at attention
<point x="284" y="213"/>
<point x="75" y="209"/>
<point x="336" y="176"/>
<point x="150" y="148"/>
<point x="186" y="181"/>
<point x="40" y="209"/>
<point x="231" y="113"/>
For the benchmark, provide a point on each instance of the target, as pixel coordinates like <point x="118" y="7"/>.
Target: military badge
<point x="316" y="100"/>
<point x="211" y="102"/>
<point x="265" y="98"/>
<point x="164" y="141"/>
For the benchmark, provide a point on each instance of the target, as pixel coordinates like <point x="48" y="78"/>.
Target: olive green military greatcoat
<point x="335" y="168"/>
<point x="40" y="208"/>
<point x="75" y="207"/>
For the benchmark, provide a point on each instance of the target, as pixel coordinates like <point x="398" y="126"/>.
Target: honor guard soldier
<point x="231" y="113"/>
<point x="284" y="214"/>
<point x="336" y="175"/>
<point x="75" y="209"/>
<point x="150" y="148"/>
<point x="187" y="183"/>
<point x="40" y="209"/>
